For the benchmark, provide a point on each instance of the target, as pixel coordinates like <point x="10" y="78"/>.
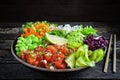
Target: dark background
<point x="59" y="10"/>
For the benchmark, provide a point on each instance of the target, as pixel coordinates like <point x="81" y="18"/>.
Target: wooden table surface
<point x="10" y="68"/>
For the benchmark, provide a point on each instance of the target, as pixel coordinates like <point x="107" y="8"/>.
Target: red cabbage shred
<point x="96" y="42"/>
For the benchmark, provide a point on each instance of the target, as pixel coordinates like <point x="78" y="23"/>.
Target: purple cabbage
<point x="96" y="42"/>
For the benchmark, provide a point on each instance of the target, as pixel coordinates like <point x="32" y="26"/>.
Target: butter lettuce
<point x="97" y="55"/>
<point x="80" y="58"/>
<point x="71" y="60"/>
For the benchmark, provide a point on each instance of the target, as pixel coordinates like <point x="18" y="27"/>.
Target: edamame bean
<point x="40" y="40"/>
<point x="30" y="47"/>
<point x="18" y="45"/>
<point x="28" y="41"/>
<point x="21" y="38"/>
<point x="18" y="54"/>
<point x="35" y="40"/>
<point x="32" y="36"/>
<point x="19" y="41"/>
<point x="17" y="49"/>
<point x="22" y="48"/>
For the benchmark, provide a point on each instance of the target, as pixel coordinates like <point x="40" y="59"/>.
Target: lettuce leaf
<point x="89" y="30"/>
<point x="75" y="39"/>
<point x="97" y="55"/>
<point x="70" y="60"/>
<point x="80" y="58"/>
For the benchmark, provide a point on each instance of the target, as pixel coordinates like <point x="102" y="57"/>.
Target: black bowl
<point x="39" y="68"/>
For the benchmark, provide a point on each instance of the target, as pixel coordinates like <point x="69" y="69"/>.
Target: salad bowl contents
<point x="52" y="47"/>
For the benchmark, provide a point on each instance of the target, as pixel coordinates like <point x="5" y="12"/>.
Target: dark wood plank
<point x="7" y="57"/>
<point x="8" y="36"/>
<point x="9" y="30"/>
<point x="9" y="33"/>
<point x="5" y="44"/>
<point x="10" y="25"/>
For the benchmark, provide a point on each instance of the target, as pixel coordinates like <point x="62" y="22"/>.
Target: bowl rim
<point x="40" y="68"/>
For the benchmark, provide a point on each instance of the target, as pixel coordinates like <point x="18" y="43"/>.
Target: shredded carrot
<point x="38" y="30"/>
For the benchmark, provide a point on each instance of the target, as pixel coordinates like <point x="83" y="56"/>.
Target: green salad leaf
<point x="75" y="39"/>
<point x="61" y="33"/>
<point x="89" y="30"/>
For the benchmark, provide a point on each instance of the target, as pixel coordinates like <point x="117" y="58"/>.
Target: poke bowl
<point x="58" y="48"/>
